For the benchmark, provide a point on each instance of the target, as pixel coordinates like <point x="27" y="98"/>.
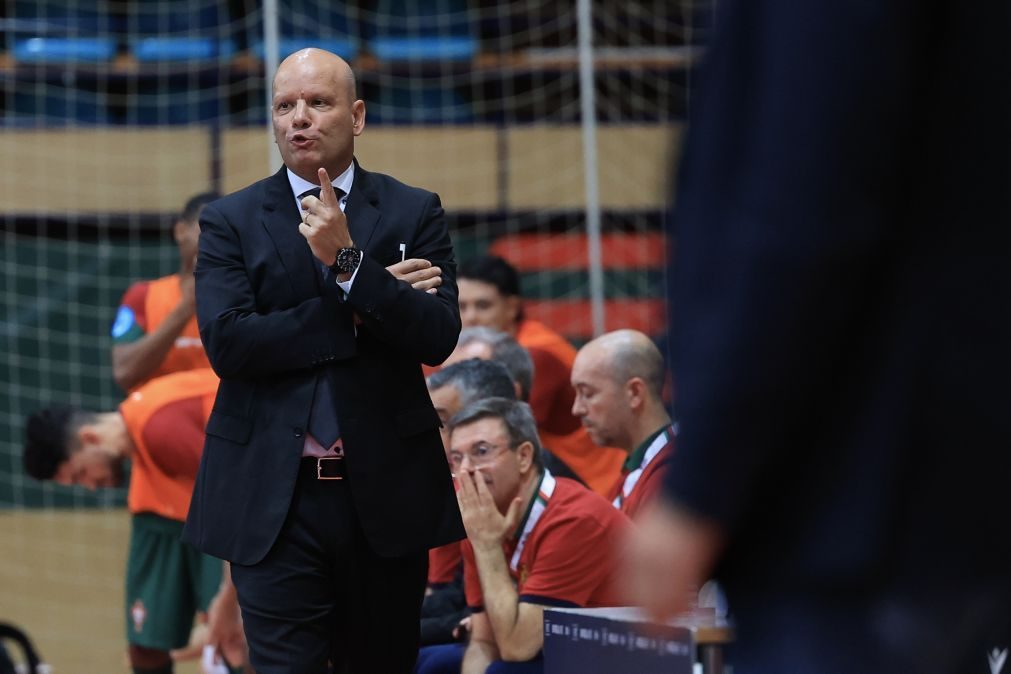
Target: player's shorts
<point x="167" y="582"/>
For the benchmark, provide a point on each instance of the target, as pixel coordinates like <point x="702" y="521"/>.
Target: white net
<point x="115" y="112"/>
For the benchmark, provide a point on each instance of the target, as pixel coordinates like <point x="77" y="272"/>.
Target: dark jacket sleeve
<point x="421" y="326"/>
<point x="244" y="342"/>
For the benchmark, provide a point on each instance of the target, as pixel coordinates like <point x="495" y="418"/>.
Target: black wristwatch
<point x="347" y="261"/>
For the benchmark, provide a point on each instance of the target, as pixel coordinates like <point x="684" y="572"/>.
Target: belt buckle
<point x="319" y="467"/>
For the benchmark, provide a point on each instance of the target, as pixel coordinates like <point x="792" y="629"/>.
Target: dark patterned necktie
<point x="316" y="192"/>
<point x="323" y="413"/>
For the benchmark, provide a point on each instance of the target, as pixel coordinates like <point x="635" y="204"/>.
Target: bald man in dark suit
<point x="324" y="480"/>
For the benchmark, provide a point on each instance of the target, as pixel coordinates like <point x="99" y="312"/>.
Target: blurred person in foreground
<point x="323" y="427"/>
<point x="533" y="541"/>
<point x="490" y="297"/>
<point x="618" y="378"/>
<point x="159" y="429"/>
<point x="840" y="331"/>
<point x="491" y="344"/>
<point x="155" y="331"/>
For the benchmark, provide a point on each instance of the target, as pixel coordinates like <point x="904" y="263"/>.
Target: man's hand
<point x="669" y="557"/>
<point x="188" y="301"/>
<point x="193" y="649"/>
<point x="224" y="626"/>
<point x="323" y="223"/>
<point x="462" y="629"/>
<point x="486" y="526"/>
<point x="419" y="273"/>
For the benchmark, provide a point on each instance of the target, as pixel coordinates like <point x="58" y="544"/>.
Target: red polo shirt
<point x="443" y="563"/>
<point x="567" y="558"/>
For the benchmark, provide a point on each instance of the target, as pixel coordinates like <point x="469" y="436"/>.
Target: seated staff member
<point x="533" y="540"/>
<point x="452" y="388"/>
<point x="618" y="378"/>
<point x="490" y="296"/>
<point x="159" y="428"/>
<point x="491" y="344"/>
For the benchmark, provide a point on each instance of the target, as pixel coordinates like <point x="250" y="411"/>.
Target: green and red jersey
<point x="144" y="307"/>
<point x="443" y="563"/>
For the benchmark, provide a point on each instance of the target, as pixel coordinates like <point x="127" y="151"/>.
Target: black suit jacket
<point x="271" y="327"/>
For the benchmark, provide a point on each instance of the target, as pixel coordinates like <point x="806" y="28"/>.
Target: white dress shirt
<point x="342" y="182"/>
<point x="312" y="447"/>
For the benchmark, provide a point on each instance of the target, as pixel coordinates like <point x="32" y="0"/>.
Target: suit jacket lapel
<point x="361" y="209"/>
<point x="281" y="219"/>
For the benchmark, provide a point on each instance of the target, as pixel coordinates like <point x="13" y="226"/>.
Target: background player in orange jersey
<point x="159" y="429"/>
<point x="155" y="330"/>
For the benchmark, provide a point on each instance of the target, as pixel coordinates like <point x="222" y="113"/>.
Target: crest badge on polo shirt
<point x="138" y="614"/>
<point x="523" y="573"/>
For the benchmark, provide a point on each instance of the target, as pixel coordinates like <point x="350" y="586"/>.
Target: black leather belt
<point x="324" y="467"/>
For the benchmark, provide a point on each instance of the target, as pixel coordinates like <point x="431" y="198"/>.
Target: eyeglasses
<point x="480" y="454"/>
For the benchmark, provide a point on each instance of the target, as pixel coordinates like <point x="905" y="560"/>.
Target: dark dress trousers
<point x="272" y="325"/>
<point x="841" y="327"/>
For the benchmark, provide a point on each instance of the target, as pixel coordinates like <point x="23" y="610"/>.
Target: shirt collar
<point x="299" y="185"/>
<point x="635" y="458"/>
<point x="530" y="506"/>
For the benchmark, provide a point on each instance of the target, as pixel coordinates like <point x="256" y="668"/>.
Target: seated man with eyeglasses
<point x="533" y="540"/>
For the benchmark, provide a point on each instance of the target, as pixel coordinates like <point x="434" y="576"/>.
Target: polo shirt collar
<point x="634" y="459"/>
<point x="530" y="506"/>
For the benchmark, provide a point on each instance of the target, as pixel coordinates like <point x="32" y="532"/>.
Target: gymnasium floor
<point x="61" y="580"/>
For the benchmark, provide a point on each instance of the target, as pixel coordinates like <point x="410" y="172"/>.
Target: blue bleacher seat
<point x="345" y="48"/>
<point x="61" y="49"/>
<point x="448" y="48"/>
<point x="181" y="49"/>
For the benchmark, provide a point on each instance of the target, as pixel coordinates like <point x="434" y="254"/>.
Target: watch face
<point x="347" y="260"/>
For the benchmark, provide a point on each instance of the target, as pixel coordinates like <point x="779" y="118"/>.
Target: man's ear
<point x="358" y="117"/>
<point x="635" y="392"/>
<point x="87" y="435"/>
<point x="179" y="230"/>
<point x="62" y="475"/>
<point x="525" y="456"/>
<point x="519" y="390"/>
<point x="513" y="307"/>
